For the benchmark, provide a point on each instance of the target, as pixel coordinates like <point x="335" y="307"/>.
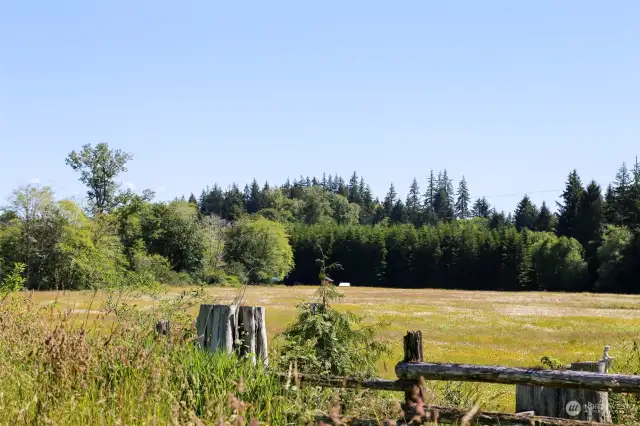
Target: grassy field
<point x="514" y="329"/>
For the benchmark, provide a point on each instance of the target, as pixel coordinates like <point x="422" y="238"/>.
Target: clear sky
<point x="512" y="94"/>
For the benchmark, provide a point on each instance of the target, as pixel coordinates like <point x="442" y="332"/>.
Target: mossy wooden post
<point x="232" y="328"/>
<point x="413" y="353"/>
<point x="567" y="403"/>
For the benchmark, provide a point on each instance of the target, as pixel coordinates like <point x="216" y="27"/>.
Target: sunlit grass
<point x="514" y="329"/>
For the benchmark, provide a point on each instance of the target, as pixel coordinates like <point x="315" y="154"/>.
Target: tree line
<point x="437" y="237"/>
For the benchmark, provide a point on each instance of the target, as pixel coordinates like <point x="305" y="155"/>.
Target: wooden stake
<point x="162" y="327"/>
<point x="414" y="397"/>
<point x="262" y="350"/>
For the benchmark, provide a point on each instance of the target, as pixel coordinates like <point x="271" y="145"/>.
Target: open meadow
<point x="514" y="329"/>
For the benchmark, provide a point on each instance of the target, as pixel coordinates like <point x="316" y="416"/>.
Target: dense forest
<point x="438" y="237"/>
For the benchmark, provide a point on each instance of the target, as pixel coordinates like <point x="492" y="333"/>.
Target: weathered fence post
<point x="413" y="353"/>
<point x="232" y="328"/>
<point x="162" y="327"/>
<point x="567" y="403"/>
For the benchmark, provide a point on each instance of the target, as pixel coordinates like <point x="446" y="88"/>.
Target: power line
<point x="522" y="193"/>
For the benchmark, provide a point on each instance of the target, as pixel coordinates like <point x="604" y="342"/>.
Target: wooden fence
<point x="543" y="397"/>
<point x="546" y="385"/>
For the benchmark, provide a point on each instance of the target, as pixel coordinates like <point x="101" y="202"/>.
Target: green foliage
<point x="261" y="247"/>
<point x="325" y="341"/>
<point x="552" y="363"/>
<point x="98" y="167"/>
<point x="526" y="214"/>
<point x="625" y="408"/>
<point x="12" y="281"/>
<point x="124" y="374"/>
<point x="611" y="257"/>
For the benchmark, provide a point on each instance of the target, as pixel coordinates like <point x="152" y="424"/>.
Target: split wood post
<point x="567" y="403"/>
<point x="262" y="349"/>
<point x="413" y="353"/>
<point x="162" y="327"/>
<point x="216" y="325"/>
<point x="232" y="328"/>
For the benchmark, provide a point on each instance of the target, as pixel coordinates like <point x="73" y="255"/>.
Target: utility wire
<point x="521" y="193"/>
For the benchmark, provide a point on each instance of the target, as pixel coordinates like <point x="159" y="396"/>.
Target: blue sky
<point x="512" y="94"/>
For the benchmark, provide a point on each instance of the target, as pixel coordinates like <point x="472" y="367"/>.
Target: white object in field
<point x="344" y="285"/>
<point x="606" y="358"/>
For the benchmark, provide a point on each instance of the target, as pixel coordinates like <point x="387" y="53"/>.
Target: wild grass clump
<point x="625" y="408"/>
<point x="57" y="368"/>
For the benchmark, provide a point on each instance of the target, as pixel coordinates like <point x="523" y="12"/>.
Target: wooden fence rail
<point x="621" y="383"/>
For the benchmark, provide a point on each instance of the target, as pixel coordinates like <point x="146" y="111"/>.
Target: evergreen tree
<point x="399" y="213"/>
<point x="591" y="227"/>
<point x="246" y="193"/>
<point x="342" y="188"/>
<point x="234" y="203"/>
<point x="432" y="189"/>
<point x="324" y="180"/>
<point x="627" y="195"/>
<point x="212" y="201"/>
<point x="389" y="201"/>
<point x="254" y="198"/>
<point x="192" y="199"/>
<point x="443" y="208"/>
<point x="462" y="203"/>
<point x="481" y="208"/>
<point x="610" y="214"/>
<point x="367" y="209"/>
<point x="526" y="214"/>
<point x="569" y="208"/>
<point x="497" y="220"/>
<point x="330" y="184"/>
<point x="545" y="222"/>
<point x="413" y="208"/>
<point x="354" y="195"/>
<point x="447" y="184"/>
<point x="287" y="189"/>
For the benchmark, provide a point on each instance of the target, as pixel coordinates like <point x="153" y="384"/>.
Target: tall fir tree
<point x="192" y="199"/>
<point x="367" y="210"/>
<point x="610" y="213"/>
<point x="443" y="208"/>
<point x="254" y="198"/>
<point x="389" y="201"/>
<point x="330" y="184"/>
<point x="413" y="205"/>
<point x="399" y="213"/>
<point x="212" y="201"/>
<point x="462" y="203"/>
<point x="627" y="195"/>
<point x="354" y="190"/>
<point x="568" y="209"/>
<point x="342" y="188"/>
<point x="498" y="220"/>
<point x="234" y="203"/>
<point x="448" y="187"/>
<point x="591" y="228"/>
<point x="526" y="214"/>
<point x="545" y="221"/>
<point x="481" y="208"/>
<point x="432" y="189"/>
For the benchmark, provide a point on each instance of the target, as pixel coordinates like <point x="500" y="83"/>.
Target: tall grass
<point x="106" y="365"/>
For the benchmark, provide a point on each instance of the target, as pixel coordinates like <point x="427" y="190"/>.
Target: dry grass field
<point x="514" y="329"/>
